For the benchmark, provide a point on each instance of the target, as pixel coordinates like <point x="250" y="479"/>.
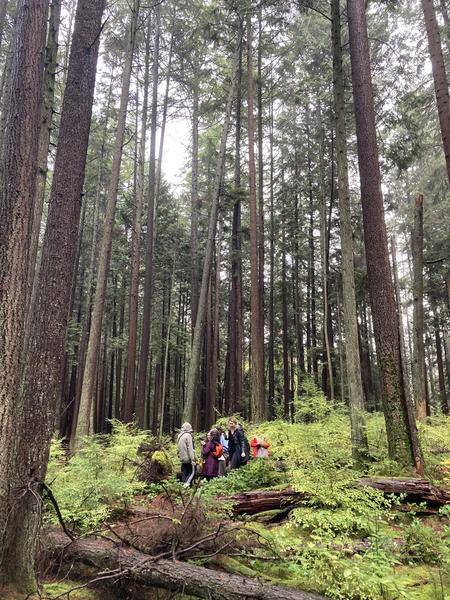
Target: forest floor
<point x="342" y="541"/>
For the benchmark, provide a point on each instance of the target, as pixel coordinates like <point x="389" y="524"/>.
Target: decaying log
<point x="142" y="569"/>
<point x="257" y="501"/>
<point x="415" y="490"/>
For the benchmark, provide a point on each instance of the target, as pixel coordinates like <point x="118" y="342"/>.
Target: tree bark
<point x="189" y="406"/>
<point x="141" y="398"/>
<point x="51" y="53"/>
<point x="419" y="350"/>
<point x="403" y="444"/>
<point x="87" y="399"/>
<point x="258" y="403"/>
<point x="45" y="348"/>
<point x="439" y="76"/>
<point x="352" y="351"/>
<point x="130" y="388"/>
<point x="17" y="194"/>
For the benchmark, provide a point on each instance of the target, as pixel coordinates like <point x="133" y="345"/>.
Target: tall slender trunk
<point x="445" y="16"/>
<point x="403" y="443"/>
<point x="165" y="361"/>
<point x="400" y="320"/>
<point x="259" y="93"/>
<point x="45" y="347"/>
<point x="329" y="389"/>
<point x="141" y="397"/>
<point x="284" y="319"/>
<point x="213" y="391"/>
<point x="195" y="276"/>
<point x="235" y="314"/>
<point x="87" y="399"/>
<point x="439" y="76"/>
<point x="189" y="406"/>
<point x="258" y="408"/>
<point x="419" y="350"/>
<point x="130" y="391"/>
<point x="440" y="365"/>
<point x="271" y="357"/>
<point x="44" y="135"/>
<point x="352" y="350"/>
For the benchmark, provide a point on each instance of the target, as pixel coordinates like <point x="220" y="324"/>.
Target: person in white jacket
<point x="186" y="454"/>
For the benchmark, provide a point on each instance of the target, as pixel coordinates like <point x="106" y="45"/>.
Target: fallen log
<point x="415" y="490"/>
<point x="130" y="564"/>
<point x="257" y="501"/>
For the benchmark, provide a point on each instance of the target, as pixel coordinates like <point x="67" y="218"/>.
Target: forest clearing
<point x="224" y="299"/>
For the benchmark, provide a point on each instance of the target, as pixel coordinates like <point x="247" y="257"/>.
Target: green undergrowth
<point x="345" y="541"/>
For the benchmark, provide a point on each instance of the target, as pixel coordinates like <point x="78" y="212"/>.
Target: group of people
<point x="222" y="451"/>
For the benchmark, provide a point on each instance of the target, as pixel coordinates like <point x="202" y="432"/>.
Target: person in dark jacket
<point x="238" y="446"/>
<point x="211" y="462"/>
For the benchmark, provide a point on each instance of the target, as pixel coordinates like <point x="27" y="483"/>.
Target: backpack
<point x="218" y="450"/>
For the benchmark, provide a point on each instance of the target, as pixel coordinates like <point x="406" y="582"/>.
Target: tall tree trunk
<point x="17" y="192"/>
<point x="189" y="406"/>
<point x="259" y="87"/>
<point x="258" y="408"/>
<point x="352" y="351"/>
<point x="87" y="399"/>
<point x="440" y="365"/>
<point x="400" y="321"/>
<point x="235" y="314"/>
<point x="213" y="391"/>
<point x="284" y="319"/>
<point x="439" y="76"/>
<point x="130" y="391"/>
<point x="195" y="276"/>
<point x="45" y="348"/>
<point x="419" y="350"/>
<point x="329" y="389"/>
<point x="3" y="7"/>
<point x="403" y="443"/>
<point x="45" y="133"/>
<point x="141" y="398"/>
<point x="271" y="357"/>
<point x="445" y="15"/>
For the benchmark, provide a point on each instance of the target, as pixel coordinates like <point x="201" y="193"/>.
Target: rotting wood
<point x="142" y="569"/>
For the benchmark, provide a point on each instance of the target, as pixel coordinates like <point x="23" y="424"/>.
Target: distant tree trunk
<point x="18" y="166"/>
<point x="439" y="76"/>
<point x="234" y="399"/>
<point x="141" y="398"/>
<point x="285" y="328"/>
<point x="271" y="357"/>
<point x="400" y="320"/>
<point x="130" y="388"/>
<point x="403" y="444"/>
<point x="352" y="351"/>
<point x="259" y="86"/>
<point x="258" y="403"/>
<point x="194" y="206"/>
<point x="165" y="358"/>
<point x="311" y="333"/>
<point x="440" y="365"/>
<point x="329" y="389"/>
<point x="214" y="387"/>
<point x="45" y="133"/>
<point x="419" y="350"/>
<point x="87" y="400"/>
<point x="189" y="407"/>
<point x="45" y="348"/>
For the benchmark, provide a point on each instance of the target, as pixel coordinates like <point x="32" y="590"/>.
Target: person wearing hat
<point x="186" y="454"/>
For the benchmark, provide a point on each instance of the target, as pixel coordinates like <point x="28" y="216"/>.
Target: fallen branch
<point x="128" y="563"/>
